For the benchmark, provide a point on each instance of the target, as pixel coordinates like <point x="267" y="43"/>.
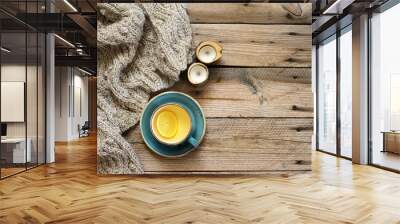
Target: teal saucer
<point x="196" y="114"/>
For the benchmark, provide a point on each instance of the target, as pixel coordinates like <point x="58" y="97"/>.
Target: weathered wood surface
<point x="258" y="100"/>
<point x="267" y="13"/>
<point x="240" y="144"/>
<point x="254" y="92"/>
<point x="250" y="45"/>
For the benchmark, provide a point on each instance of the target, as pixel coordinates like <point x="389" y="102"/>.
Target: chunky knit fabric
<point x="142" y="48"/>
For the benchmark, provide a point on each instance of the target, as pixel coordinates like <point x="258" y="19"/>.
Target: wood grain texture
<point x="249" y="45"/>
<point x="256" y="13"/>
<point x="254" y="92"/>
<point x="240" y="144"/>
<point x="70" y="191"/>
<point x="258" y="100"/>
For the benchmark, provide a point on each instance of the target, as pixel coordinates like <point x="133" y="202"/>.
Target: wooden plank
<point x="249" y="45"/>
<point x="254" y="92"/>
<point x="240" y="144"/>
<point x="257" y="13"/>
<point x="256" y="163"/>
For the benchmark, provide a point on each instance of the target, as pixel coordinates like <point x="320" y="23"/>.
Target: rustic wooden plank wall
<point x="258" y="101"/>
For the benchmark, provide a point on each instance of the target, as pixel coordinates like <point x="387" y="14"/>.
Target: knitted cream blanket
<point x="142" y="48"/>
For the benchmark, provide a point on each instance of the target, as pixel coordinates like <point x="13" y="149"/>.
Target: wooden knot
<point x="293" y="9"/>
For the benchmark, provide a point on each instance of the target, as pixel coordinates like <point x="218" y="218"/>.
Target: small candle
<point x="197" y="73"/>
<point x="207" y="54"/>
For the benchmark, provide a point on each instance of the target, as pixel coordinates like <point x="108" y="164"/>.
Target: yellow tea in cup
<point x="171" y="124"/>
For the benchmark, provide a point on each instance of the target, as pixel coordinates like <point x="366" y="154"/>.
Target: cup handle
<point x="193" y="141"/>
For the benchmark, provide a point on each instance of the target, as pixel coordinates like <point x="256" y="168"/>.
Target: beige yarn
<point x="142" y="48"/>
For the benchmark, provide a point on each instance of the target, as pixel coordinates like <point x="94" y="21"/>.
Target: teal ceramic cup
<point x="197" y="131"/>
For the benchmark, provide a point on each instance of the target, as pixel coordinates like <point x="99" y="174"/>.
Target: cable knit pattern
<point x="142" y="48"/>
